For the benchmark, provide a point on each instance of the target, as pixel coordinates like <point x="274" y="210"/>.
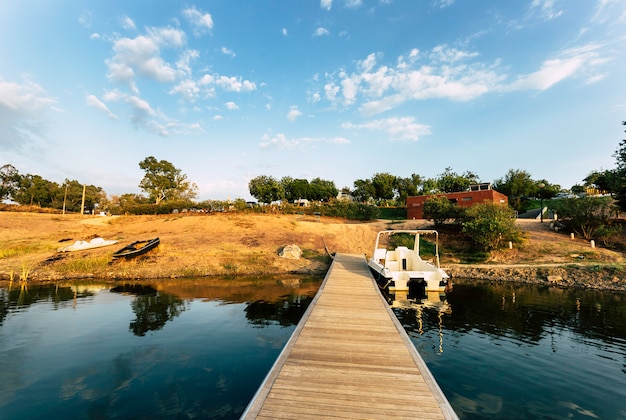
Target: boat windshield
<point x="427" y="242"/>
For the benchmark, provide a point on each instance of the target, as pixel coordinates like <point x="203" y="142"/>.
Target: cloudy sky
<point x="337" y="89"/>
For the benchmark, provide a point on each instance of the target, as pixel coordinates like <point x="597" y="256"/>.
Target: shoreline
<point x="230" y="244"/>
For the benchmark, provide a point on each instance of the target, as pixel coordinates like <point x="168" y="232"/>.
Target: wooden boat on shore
<point x="400" y="267"/>
<point x="137" y="248"/>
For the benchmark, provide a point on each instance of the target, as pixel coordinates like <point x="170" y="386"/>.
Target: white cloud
<point x="321" y="32"/>
<point x="202" y="22"/>
<point x="442" y="4"/>
<point x="404" y="128"/>
<point x="141" y="56"/>
<point x="284" y="31"/>
<point x="22" y="110"/>
<point x="353" y="4"/>
<point x="545" y="9"/>
<point x="228" y="51"/>
<point x="94" y="102"/>
<point x="447" y="73"/>
<point x="144" y="116"/>
<point x="280" y="141"/>
<point x="127" y="23"/>
<point x="85" y="19"/>
<point x="235" y="84"/>
<point x="570" y="63"/>
<point x="326" y="4"/>
<point x="188" y="89"/>
<point x="231" y="106"/>
<point x="293" y="113"/>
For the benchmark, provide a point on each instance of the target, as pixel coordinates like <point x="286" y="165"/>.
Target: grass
<point x="18" y="250"/>
<point x="85" y="264"/>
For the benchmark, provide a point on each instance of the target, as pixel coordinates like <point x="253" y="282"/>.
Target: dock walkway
<point x="349" y="357"/>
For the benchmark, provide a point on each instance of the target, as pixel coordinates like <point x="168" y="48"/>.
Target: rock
<point x="292" y="252"/>
<point x="555" y="279"/>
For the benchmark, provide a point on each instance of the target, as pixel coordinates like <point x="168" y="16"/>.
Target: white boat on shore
<point x="401" y="266"/>
<point x="82" y="245"/>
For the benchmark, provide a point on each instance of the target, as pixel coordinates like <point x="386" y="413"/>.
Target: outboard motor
<point x="417" y="288"/>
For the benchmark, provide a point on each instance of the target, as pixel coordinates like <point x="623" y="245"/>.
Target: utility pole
<point x="82" y="204"/>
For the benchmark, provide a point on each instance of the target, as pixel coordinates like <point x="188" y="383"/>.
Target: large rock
<point x="292" y="252"/>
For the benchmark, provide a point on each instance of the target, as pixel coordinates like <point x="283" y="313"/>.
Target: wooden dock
<point x="349" y="357"/>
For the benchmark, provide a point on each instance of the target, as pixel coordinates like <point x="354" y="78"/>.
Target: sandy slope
<point x="212" y="244"/>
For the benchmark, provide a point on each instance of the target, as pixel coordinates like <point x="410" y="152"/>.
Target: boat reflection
<point x="422" y="306"/>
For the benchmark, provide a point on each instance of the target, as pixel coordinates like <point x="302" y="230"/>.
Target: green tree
<point x="35" y="190"/>
<point x="163" y="181"/>
<point x="408" y="187"/>
<point x="322" y="190"/>
<point x="71" y="193"/>
<point x="618" y="183"/>
<point x="516" y="184"/>
<point x="266" y="189"/>
<point x="296" y="189"/>
<point x="363" y="190"/>
<point x="384" y="186"/>
<point x="9" y="181"/>
<point x="586" y="215"/>
<point x="491" y="225"/>
<point x="439" y="209"/>
<point x="449" y="181"/>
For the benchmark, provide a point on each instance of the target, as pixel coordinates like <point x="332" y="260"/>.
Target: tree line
<point x="164" y="183"/>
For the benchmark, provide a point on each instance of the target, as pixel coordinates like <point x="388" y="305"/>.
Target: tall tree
<point x="407" y="187"/>
<point x="9" y="181"/>
<point x="35" y="190"/>
<point x="163" y="181"/>
<point x="619" y="181"/>
<point x="363" y="190"/>
<point x="384" y="186"/>
<point x="266" y="189"/>
<point x="449" y="181"/>
<point x="322" y="190"/>
<point x="516" y="184"/>
<point x="296" y="189"/>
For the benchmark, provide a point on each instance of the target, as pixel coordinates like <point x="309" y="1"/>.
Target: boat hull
<point x="434" y="281"/>
<point x="137" y="248"/>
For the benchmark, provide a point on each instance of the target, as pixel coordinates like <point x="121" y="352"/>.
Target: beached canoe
<point x="137" y="248"/>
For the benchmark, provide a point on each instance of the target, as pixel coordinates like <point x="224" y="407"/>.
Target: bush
<point x="491" y="225"/>
<point x="439" y="209"/>
<point x="586" y="215"/>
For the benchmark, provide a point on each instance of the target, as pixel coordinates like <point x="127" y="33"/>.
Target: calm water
<point x="172" y="349"/>
<point x="200" y="348"/>
<point x="511" y="351"/>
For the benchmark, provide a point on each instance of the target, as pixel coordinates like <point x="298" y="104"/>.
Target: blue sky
<point x="337" y="89"/>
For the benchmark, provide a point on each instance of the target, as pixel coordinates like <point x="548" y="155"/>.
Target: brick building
<point x="476" y="194"/>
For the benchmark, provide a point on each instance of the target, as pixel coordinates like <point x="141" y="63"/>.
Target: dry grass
<point x="231" y="244"/>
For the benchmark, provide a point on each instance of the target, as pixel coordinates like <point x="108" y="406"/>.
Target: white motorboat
<point x="399" y="264"/>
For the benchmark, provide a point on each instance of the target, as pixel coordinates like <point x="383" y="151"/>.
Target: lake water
<point x="200" y="348"/>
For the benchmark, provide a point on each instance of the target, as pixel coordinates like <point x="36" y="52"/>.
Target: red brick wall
<point x="415" y="204"/>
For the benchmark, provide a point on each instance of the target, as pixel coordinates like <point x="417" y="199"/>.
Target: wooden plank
<point x="349" y="357"/>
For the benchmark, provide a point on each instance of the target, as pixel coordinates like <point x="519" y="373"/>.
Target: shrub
<point x="491" y="225"/>
<point x="439" y="209"/>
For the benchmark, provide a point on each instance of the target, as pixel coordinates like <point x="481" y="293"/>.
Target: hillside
<point x="239" y="244"/>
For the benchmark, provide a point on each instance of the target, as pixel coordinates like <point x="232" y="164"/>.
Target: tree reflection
<point x="288" y="312"/>
<point x="15" y="299"/>
<point x="153" y="310"/>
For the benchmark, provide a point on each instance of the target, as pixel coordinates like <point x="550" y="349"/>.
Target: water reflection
<point x="156" y="349"/>
<point x="516" y="351"/>
<point x="152" y="308"/>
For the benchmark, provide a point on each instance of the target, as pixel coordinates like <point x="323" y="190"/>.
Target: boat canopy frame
<point x="416" y="233"/>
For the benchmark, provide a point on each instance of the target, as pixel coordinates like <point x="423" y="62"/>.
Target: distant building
<point x="478" y="193"/>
